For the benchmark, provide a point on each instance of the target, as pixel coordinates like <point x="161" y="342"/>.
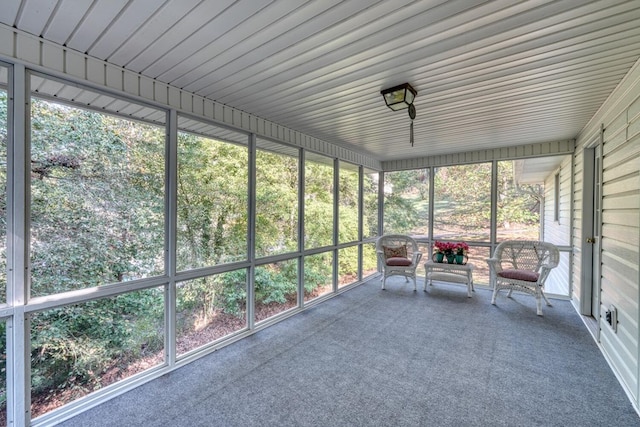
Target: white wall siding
<point x="518" y="152"/>
<point x="578" y="235"/>
<point x="620" y="244"/>
<point x="620" y="236"/>
<point x="559" y="232"/>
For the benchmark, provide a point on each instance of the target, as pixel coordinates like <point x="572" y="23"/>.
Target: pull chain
<point x="411" y="133"/>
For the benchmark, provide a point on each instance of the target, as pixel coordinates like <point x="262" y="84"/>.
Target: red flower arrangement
<point x="460" y="248"/>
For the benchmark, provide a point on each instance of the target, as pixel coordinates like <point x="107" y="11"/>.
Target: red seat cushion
<point x="525" y="275"/>
<point x="398" y="261"/>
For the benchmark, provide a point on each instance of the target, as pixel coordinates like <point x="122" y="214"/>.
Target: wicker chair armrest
<point x="415" y="259"/>
<point x="544" y="273"/>
<point x="494" y="264"/>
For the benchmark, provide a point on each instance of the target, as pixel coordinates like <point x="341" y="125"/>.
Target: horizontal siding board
<point x="633" y="131"/>
<point x="114" y="78"/>
<point x="28" y="49"/>
<point x="629" y="170"/>
<point x="621" y="216"/>
<point x="507" y="153"/>
<point x="622" y="363"/>
<point x="625" y="201"/>
<point x="633" y="112"/>
<point x="52" y="58"/>
<point x="616" y="126"/>
<point x="616" y="290"/>
<point x="613" y="142"/>
<point x="624" y="184"/>
<point x="625" y="160"/>
<point x="75" y="64"/>
<point x="95" y="71"/>
<point x="630" y="233"/>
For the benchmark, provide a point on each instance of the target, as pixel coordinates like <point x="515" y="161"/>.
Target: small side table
<point x="445" y="272"/>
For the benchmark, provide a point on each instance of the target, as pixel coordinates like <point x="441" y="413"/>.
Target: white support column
<point x="301" y="190"/>
<point x="494" y="206"/>
<point x="431" y="207"/>
<point x="360" y="219"/>
<point x="380" y="203"/>
<point x="336" y="222"/>
<point x="18" y="346"/>
<point x="171" y="209"/>
<point x="251" y="233"/>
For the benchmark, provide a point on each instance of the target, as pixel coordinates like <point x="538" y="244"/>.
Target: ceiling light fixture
<point x="401" y="97"/>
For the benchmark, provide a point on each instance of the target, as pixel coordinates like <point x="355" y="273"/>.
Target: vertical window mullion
<point x="301" y="189"/>
<point x="18" y="340"/>
<point x="171" y="207"/>
<point x="360" y="217"/>
<point x="251" y="233"/>
<point x="493" y="225"/>
<point x="336" y="223"/>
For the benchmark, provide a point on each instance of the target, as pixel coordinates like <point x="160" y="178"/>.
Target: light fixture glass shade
<point x="399" y="97"/>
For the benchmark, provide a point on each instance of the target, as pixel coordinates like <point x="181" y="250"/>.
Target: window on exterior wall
<point x="318" y="201"/>
<point x="318" y="275"/>
<point x="212" y="214"/>
<point x="210" y="308"/>
<point x="406" y="202"/>
<point x="556" y="197"/>
<point x="3" y="183"/>
<point x="97" y="191"/>
<point x="80" y="348"/>
<point x="276" y="288"/>
<point x="277" y="180"/>
<point x="519" y="200"/>
<point x="462" y="202"/>
<point x="370" y="204"/>
<point x="348" y="206"/>
<point x="347" y="266"/>
<point x="369" y="259"/>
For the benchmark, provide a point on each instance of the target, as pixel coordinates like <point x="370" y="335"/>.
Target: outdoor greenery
<point x="462" y="202"/>
<point x="97" y="218"/>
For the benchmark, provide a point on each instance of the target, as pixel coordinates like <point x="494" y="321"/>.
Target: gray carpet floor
<point x="392" y="358"/>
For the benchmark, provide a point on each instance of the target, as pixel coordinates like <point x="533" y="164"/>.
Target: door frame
<point x="590" y="251"/>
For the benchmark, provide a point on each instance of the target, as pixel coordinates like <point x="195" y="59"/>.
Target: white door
<point x="595" y="233"/>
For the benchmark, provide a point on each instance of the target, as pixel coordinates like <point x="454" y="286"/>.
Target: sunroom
<point x="181" y="175"/>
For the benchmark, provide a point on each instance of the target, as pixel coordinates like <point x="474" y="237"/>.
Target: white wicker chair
<point x="399" y="255"/>
<point x="523" y="265"/>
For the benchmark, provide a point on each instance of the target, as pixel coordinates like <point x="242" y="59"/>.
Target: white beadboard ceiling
<point x="489" y="74"/>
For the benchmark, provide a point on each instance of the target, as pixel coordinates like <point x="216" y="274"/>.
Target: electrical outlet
<point x="611" y="317"/>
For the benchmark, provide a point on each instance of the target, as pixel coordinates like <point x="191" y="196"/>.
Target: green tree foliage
<point x="97" y="210"/>
<point x="276" y="203"/>
<point x="464" y="196"/>
<point x="517" y="203"/>
<point x="212" y="201"/>
<point x="318" y="204"/>
<point x="73" y="347"/>
<point x="97" y="218"/>
<point x="406" y="202"/>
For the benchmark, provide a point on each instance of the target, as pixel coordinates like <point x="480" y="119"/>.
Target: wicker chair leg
<point x="539" y="304"/>
<point x="545" y="298"/>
